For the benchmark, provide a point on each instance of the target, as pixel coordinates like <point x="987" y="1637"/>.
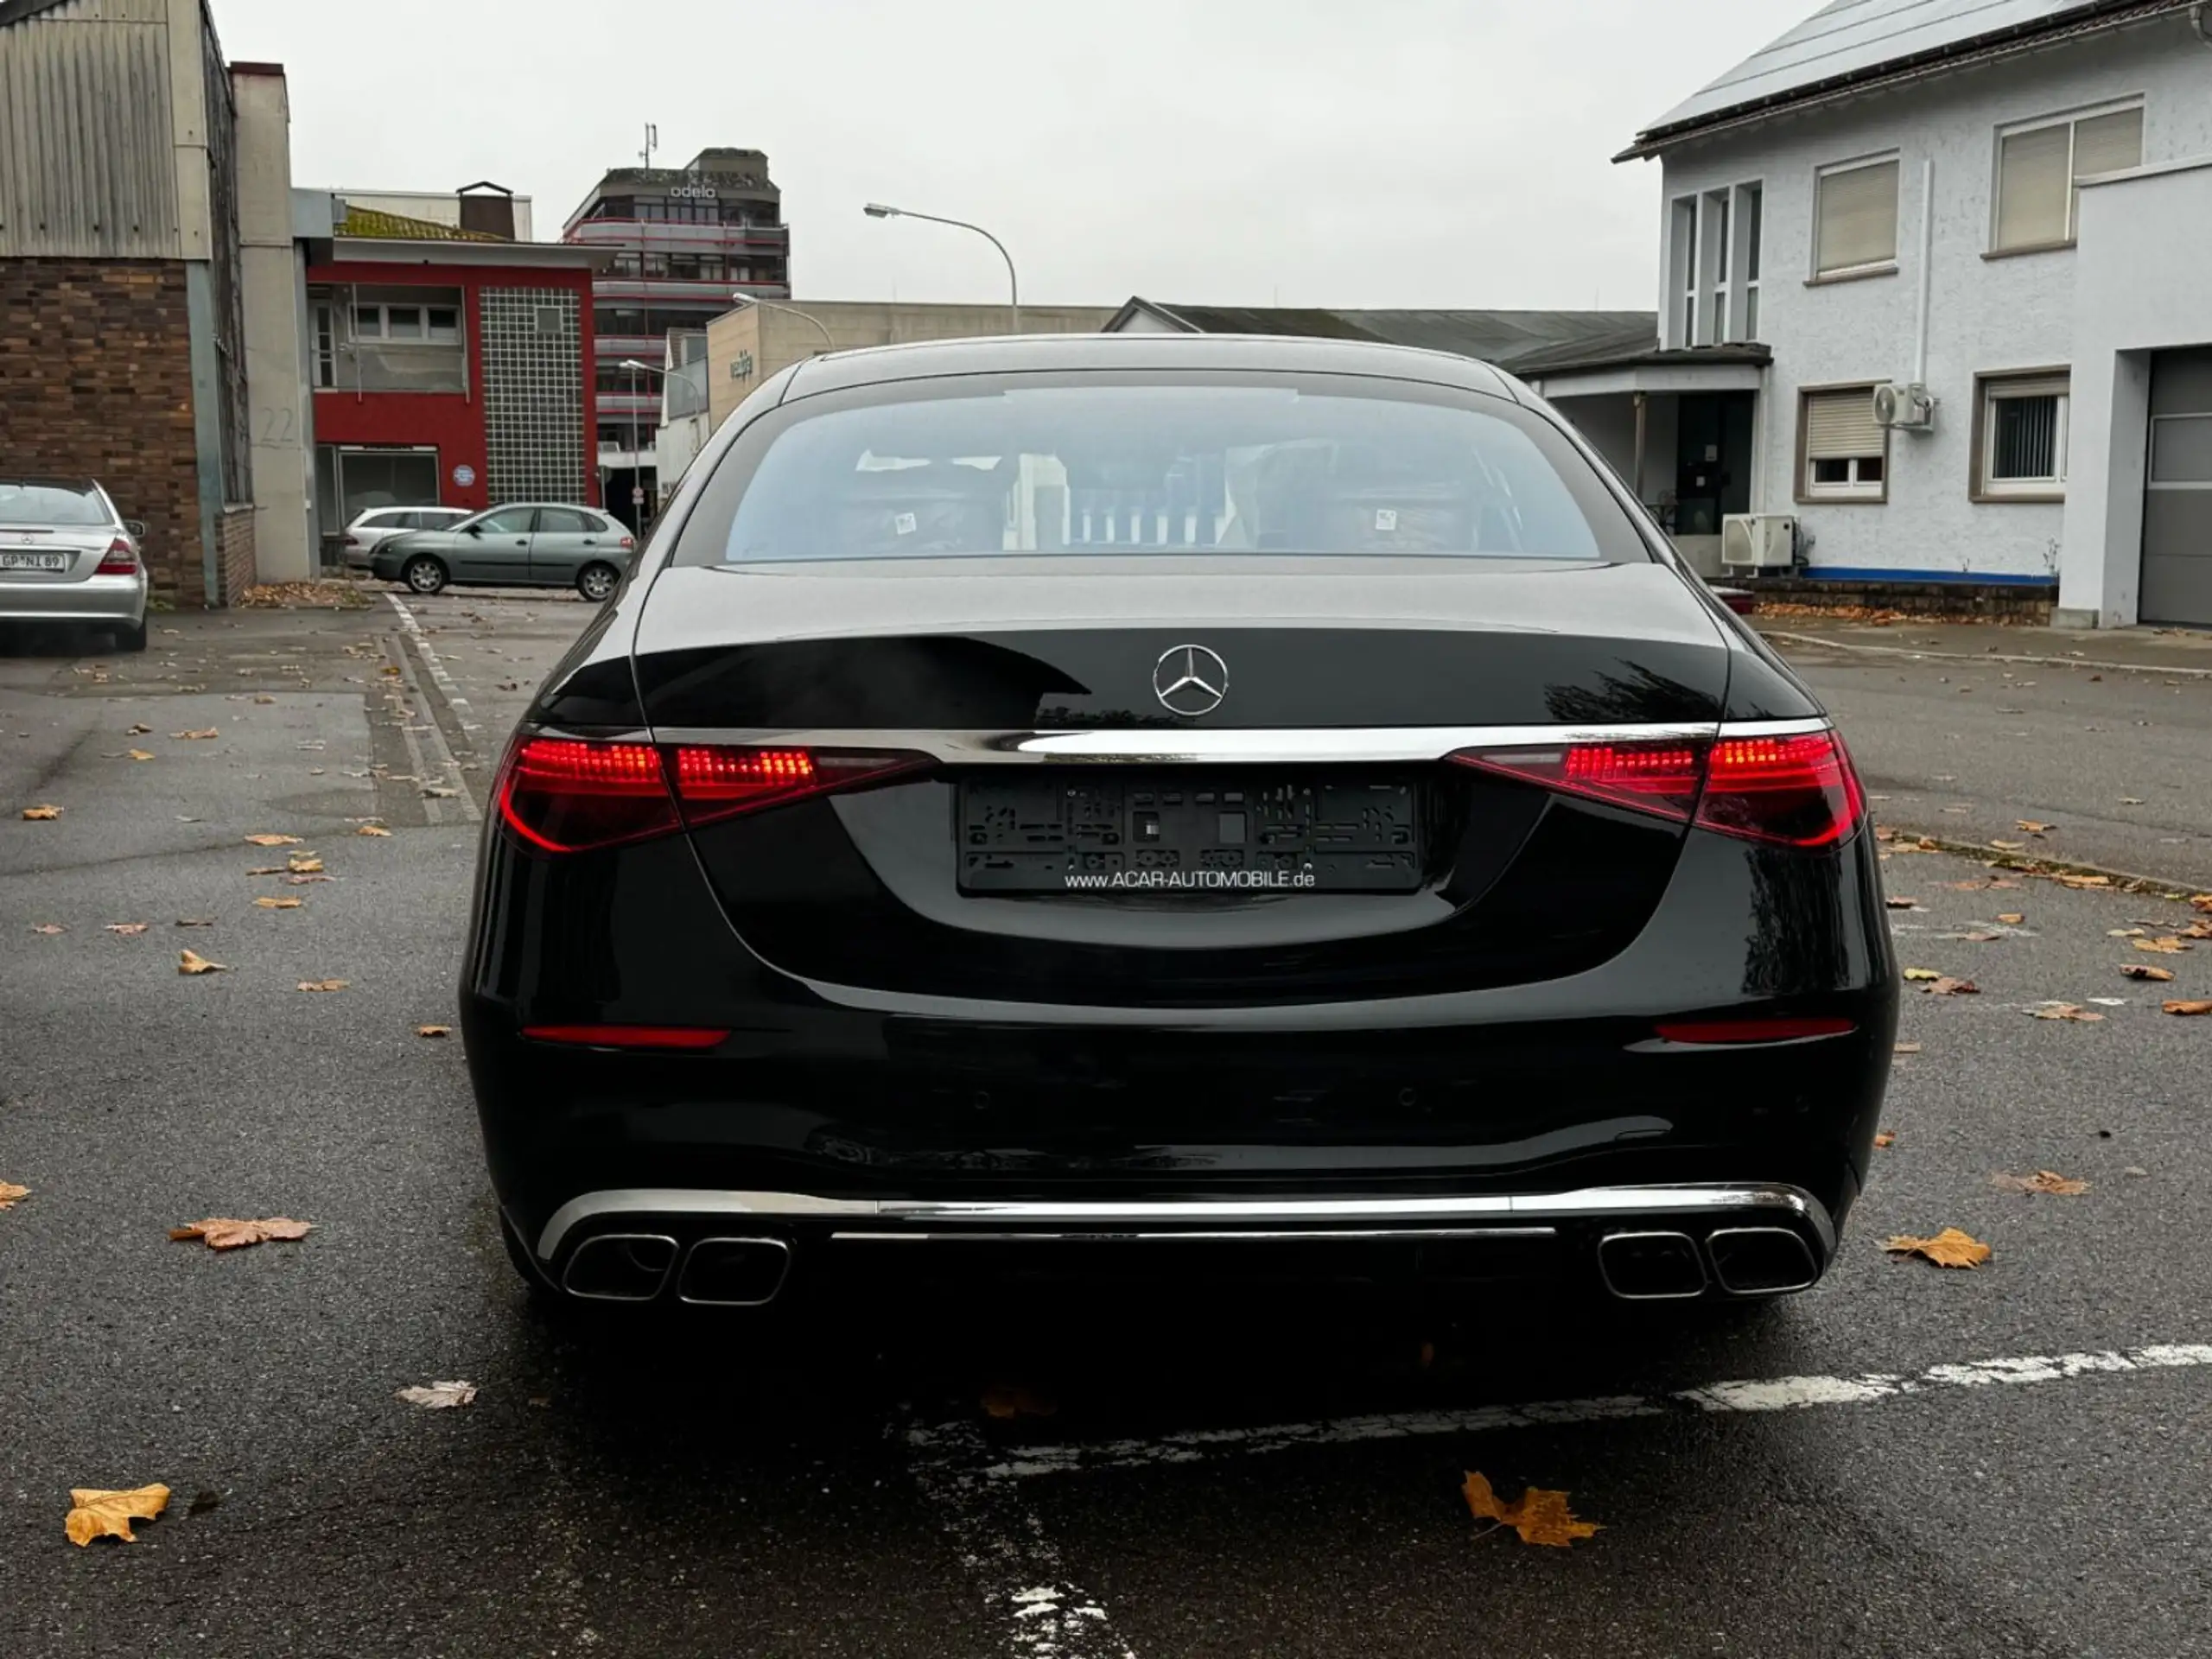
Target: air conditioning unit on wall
<point x="1906" y="408"/>
<point x="1758" y="540"/>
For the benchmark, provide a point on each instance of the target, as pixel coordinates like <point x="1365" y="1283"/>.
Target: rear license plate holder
<point x="16" y="559"/>
<point x="1220" y="834"/>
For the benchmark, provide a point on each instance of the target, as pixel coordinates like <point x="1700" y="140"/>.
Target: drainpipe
<point x="1640" y="398"/>
<point x="1927" y="269"/>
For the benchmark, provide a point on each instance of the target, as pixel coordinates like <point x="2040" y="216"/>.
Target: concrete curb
<point x="2103" y="666"/>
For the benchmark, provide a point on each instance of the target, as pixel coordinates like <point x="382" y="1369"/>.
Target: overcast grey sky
<point x="1299" y="152"/>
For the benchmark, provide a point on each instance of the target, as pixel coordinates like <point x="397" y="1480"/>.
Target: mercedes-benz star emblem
<point x="1190" y="680"/>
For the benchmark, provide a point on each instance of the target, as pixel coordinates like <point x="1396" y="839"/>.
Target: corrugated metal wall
<point x="87" y="162"/>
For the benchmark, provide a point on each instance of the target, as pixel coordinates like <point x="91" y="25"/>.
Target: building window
<point x="1686" y="269"/>
<point x="2040" y="167"/>
<point x="2022" y="449"/>
<point x="1855" y="218"/>
<point x="1715" y="266"/>
<point x="1845" y="453"/>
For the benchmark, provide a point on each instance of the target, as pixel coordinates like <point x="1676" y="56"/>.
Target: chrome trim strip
<point x="1691" y="1199"/>
<point x="1286" y="746"/>
<point x="1269" y="1235"/>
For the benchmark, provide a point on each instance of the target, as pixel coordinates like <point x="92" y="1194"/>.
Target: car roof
<point x="921" y="359"/>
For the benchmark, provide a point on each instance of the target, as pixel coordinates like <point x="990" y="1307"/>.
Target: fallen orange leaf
<point x="9" y="1192"/>
<point x="373" y="829"/>
<point x="2145" y="970"/>
<point x="1885" y="1139"/>
<point x="2043" y="1180"/>
<point x="267" y="903"/>
<point x="439" y="1396"/>
<point x="434" y="1031"/>
<point x="1949" y="1248"/>
<point x="304" y="864"/>
<point x="2011" y="918"/>
<point x="223" y="1233"/>
<point x="206" y="732"/>
<point x="2203" y="901"/>
<point x="191" y="962"/>
<point x="272" y="841"/>
<point x="42" y="814"/>
<point x="322" y="984"/>
<point x="48" y="928"/>
<point x="1005" y="1400"/>
<point x="1540" y="1516"/>
<point x="128" y="929"/>
<point x="1921" y="973"/>
<point x="2168" y="946"/>
<point x="1905" y="1048"/>
<point x="140" y="729"/>
<point x="1946" y="986"/>
<point x="97" y="1514"/>
<point x="2189" y="1008"/>
<point x="2066" y="1011"/>
<point x="2030" y="827"/>
<point x="141" y="754"/>
<point x="1900" y="903"/>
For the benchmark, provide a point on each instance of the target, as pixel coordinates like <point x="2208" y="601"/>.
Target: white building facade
<point x="2009" y="205"/>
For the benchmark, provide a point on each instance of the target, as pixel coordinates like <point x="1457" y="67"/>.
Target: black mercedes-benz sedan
<point x="1171" y="799"/>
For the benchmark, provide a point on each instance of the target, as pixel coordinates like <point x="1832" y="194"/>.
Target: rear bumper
<point x="1652" y="1243"/>
<point x="103" y="599"/>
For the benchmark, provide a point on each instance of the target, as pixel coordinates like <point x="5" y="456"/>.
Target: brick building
<point x="448" y="365"/>
<point x="124" y="333"/>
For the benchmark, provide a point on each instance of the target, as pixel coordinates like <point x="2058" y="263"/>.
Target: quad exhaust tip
<point x="619" y="1268"/>
<point x="1651" y="1267"/>
<point x="735" y="1272"/>
<point x="1761" y="1261"/>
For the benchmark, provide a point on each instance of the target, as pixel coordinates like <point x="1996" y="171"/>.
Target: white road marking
<point x="1003" y="1544"/>
<point x="446" y="684"/>
<point x="1772" y="1394"/>
<point x="448" y="772"/>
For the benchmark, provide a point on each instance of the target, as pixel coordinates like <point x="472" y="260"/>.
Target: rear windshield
<point x="1098" y="464"/>
<point x="51" y="501"/>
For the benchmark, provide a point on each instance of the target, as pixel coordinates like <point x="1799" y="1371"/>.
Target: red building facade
<point x="449" y="369"/>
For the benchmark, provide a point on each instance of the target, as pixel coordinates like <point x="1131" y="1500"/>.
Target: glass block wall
<point x="533" y="394"/>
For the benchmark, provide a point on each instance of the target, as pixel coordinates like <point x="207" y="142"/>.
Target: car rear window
<point x="51" y="501"/>
<point x="1025" y="466"/>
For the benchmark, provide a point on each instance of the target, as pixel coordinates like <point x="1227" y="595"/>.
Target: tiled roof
<point x="397" y="227"/>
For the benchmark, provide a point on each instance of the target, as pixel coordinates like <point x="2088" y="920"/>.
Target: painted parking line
<point x="1761" y="1394"/>
<point x="1004" y="1547"/>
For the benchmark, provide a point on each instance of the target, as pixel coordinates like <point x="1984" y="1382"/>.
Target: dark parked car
<point x="1210" y="799"/>
<point x="523" y="544"/>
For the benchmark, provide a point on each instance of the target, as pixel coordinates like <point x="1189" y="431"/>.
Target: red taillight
<point x="1661" y="777"/>
<point x="1796" y="790"/>
<point x="1781" y="1028"/>
<point x="627" y="542"/>
<point x="567" y="795"/>
<point x="562" y="795"/>
<point x="352" y="541"/>
<point x="677" y="1037"/>
<point x="121" y="559"/>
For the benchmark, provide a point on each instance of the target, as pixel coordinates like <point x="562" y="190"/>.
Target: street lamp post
<point x="742" y="300"/>
<point x="878" y="210"/>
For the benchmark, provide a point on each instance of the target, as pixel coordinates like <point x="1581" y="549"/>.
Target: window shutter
<point x="1857" y="217"/>
<point x="1841" y="424"/>
<point x="2108" y="143"/>
<point x="2039" y="386"/>
<point x="2034" y="189"/>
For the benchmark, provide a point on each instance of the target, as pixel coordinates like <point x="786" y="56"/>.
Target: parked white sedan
<point x="370" y="529"/>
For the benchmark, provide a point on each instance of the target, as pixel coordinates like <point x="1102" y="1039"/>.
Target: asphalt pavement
<point x="1906" y="1461"/>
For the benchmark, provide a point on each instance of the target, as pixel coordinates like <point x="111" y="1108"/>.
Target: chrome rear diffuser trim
<point x="1029" y="1217"/>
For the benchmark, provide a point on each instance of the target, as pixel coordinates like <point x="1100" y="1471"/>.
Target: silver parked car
<point x="378" y="524"/>
<point x="523" y="543"/>
<point x="68" y="557"/>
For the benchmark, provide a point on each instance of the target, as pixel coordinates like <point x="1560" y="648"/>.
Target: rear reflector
<point x="1782" y="1028"/>
<point x="121" y="559"/>
<point x="567" y="795"/>
<point x="675" y="1037"/>
<point x="1795" y="790"/>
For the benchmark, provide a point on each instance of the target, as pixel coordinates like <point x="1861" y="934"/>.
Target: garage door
<point x="2178" y="498"/>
